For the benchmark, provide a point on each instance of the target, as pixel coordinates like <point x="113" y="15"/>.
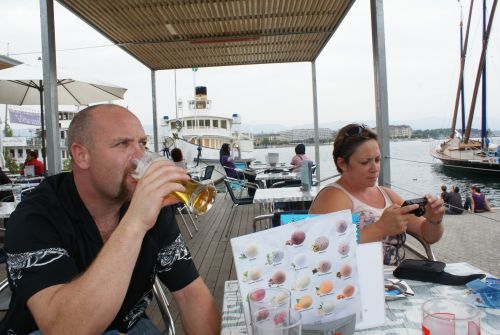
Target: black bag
<point x="431" y="271"/>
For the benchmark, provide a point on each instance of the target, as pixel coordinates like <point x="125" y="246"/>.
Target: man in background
<point x="32" y="159"/>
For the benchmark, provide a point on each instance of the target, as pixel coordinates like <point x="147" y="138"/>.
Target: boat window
<point x="223" y="124"/>
<point x="215" y="123"/>
<point x="201" y="104"/>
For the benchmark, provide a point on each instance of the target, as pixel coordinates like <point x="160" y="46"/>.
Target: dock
<point x="471" y="238"/>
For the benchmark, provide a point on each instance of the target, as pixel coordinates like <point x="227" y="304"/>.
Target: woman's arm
<point x="429" y="226"/>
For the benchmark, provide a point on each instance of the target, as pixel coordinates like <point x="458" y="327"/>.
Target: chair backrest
<point x="162" y="301"/>
<point x="234" y="198"/>
<point x="208" y="172"/>
<point x="272" y="158"/>
<point x="287" y="183"/>
<point x="29" y="171"/>
<point x="240" y="165"/>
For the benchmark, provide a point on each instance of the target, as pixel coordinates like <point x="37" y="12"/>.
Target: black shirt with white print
<point x="52" y="238"/>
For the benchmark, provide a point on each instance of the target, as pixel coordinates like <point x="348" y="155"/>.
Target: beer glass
<point x="198" y="197"/>
<point x="444" y="316"/>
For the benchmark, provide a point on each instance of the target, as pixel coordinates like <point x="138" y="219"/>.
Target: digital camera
<point x="421" y="205"/>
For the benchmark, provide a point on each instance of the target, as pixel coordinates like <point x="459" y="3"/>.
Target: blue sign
<point x="22" y="117"/>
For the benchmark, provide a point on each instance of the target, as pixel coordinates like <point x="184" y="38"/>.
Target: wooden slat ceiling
<point x="6" y="62"/>
<point x="173" y="34"/>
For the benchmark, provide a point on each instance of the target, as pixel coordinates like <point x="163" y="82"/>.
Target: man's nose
<point x="137" y="151"/>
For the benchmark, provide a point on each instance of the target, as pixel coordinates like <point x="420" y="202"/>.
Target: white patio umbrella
<point x="23" y="85"/>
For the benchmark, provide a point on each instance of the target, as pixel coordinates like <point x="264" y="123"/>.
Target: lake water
<point x="414" y="171"/>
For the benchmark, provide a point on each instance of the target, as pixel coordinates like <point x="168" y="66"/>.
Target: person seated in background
<point x="85" y="247"/>
<point x="178" y="158"/>
<point x="356" y="154"/>
<point x="227" y="161"/>
<point x="454" y="205"/>
<point x="479" y="203"/>
<point x="444" y="194"/>
<point x="467" y="202"/>
<point x="32" y="159"/>
<point x="300" y="156"/>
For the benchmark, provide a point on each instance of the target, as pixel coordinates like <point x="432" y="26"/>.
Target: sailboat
<point x="459" y="151"/>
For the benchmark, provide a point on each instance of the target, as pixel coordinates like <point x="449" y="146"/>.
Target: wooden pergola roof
<point x="6" y="62"/>
<point x="173" y="34"/>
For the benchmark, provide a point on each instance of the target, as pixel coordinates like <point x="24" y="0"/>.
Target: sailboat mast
<point x="483" y="83"/>
<point x="462" y="95"/>
<point x="461" y="76"/>
<point x="480" y="68"/>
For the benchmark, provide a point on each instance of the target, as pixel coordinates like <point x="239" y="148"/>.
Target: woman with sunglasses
<point x="356" y="154"/>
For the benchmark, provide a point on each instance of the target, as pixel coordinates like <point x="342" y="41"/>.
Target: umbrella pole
<point x="43" y="132"/>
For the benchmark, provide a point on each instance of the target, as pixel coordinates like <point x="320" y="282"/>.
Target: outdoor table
<point x="8" y="187"/>
<point x="402" y="316"/>
<point x="6" y="209"/>
<point x="268" y="196"/>
<point x="277" y="176"/>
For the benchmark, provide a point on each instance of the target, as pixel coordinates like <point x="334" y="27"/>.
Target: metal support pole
<point x="381" y="100"/>
<point x="316" y="131"/>
<point x="155" y="119"/>
<point x="50" y="87"/>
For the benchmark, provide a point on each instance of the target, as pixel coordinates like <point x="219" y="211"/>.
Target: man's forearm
<point x="89" y="303"/>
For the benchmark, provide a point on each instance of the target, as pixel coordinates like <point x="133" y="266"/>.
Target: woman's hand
<point x="434" y="209"/>
<point x="394" y="220"/>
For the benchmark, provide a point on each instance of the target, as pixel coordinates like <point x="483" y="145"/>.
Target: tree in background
<point x="7" y="130"/>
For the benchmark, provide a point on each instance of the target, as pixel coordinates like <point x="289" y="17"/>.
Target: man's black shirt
<point x="52" y="239"/>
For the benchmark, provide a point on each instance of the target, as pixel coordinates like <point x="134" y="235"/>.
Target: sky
<point x="422" y="50"/>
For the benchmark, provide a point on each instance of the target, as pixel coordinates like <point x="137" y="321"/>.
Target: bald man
<point x="84" y="247"/>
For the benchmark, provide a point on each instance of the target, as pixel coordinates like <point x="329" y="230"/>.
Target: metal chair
<point x="275" y="218"/>
<point x="429" y="254"/>
<point x="231" y="184"/>
<point x="207" y="173"/>
<point x="163" y="304"/>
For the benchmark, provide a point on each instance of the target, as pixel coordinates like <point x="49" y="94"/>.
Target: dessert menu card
<point x="314" y="258"/>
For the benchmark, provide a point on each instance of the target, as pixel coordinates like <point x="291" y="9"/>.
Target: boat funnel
<point x="164" y="120"/>
<point x="236" y="119"/>
<point x="201" y="92"/>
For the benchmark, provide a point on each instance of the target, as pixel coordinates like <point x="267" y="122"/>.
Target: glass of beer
<point x="198" y="197"/>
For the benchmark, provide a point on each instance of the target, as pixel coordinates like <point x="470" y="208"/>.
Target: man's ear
<point x="80" y="155"/>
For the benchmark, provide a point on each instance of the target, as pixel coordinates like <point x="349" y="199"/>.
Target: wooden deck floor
<point x="211" y="250"/>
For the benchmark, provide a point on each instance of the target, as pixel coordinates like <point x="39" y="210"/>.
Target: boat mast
<point x="462" y="100"/>
<point x="483" y="82"/>
<point x="461" y="76"/>
<point x="478" y="76"/>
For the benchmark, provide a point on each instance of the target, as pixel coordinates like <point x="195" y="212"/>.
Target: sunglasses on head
<point x="356" y="130"/>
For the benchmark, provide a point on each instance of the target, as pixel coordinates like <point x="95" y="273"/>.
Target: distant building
<point x="259" y="138"/>
<point x="302" y="135"/>
<point x="402" y="131"/>
<point x="17" y="147"/>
